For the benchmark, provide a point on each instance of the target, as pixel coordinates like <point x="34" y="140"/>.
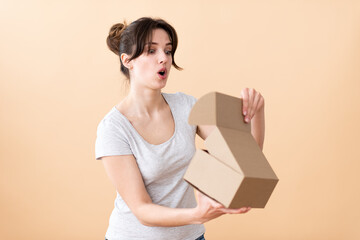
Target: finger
<point x="247" y="210"/>
<point x="250" y="104"/>
<point x="245" y="97"/>
<point x="251" y="98"/>
<point x="244" y="209"/>
<point x="236" y="210"/>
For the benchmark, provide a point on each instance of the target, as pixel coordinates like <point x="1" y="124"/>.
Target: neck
<point x="144" y="102"/>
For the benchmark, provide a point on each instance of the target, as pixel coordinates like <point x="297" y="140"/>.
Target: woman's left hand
<point x="253" y="102"/>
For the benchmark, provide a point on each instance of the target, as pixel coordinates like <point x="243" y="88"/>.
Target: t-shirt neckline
<point x="138" y="134"/>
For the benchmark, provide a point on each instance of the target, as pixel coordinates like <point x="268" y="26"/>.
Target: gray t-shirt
<point x="162" y="167"/>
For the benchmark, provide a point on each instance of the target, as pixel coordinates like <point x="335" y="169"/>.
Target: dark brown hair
<point x="131" y="39"/>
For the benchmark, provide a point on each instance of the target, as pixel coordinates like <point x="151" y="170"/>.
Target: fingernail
<point x="244" y="113"/>
<point x="247" y="119"/>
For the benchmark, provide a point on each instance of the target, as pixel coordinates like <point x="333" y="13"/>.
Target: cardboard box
<point x="233" y="170"/>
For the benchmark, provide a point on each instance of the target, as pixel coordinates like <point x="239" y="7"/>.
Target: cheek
<point x="143" y="68"/>
<point x="148" y="69"/>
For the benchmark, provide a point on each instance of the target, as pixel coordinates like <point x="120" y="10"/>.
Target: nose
<point x="163" y="58"/>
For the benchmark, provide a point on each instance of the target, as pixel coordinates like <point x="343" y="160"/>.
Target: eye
<point x="168" y="52"/>
<point x="151" y="51"/>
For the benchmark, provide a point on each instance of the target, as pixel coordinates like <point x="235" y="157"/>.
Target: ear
<point x="125" y="60"/>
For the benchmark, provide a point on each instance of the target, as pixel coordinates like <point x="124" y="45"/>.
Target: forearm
<point x="159" y="216"/>
<point x="258" y="127"/>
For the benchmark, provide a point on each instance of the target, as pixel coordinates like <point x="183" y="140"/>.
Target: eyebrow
<point x="155" y="43"/>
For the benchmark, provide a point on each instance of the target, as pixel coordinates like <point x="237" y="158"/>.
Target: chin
<point x="162" y="82"/>
<point x="162" y="86"/>
<point x="159" y="85"/>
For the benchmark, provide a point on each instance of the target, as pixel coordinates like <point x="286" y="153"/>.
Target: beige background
<point x="58" y="80"/>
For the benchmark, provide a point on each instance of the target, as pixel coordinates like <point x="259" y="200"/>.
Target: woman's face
<point x="152" y="67"/>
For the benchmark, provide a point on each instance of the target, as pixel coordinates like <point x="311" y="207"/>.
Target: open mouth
<point x="162" y="73"/>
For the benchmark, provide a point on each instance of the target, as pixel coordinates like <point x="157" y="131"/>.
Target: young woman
<point x="146" y="144"/>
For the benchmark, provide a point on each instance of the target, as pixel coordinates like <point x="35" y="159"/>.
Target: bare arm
<point x="253" y="110"/>
<point x="126" y="177"/>
<point x="258" y="128"/>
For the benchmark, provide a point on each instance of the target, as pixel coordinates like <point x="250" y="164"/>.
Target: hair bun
<point x="113" y="39"/>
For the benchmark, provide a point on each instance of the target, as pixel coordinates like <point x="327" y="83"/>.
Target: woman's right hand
<point x="208" y="208"/>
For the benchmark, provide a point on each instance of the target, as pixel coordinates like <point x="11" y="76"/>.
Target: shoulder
<point x="111" y="136"/>
<point x="111" y="122"/>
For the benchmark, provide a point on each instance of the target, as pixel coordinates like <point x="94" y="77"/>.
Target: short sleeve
<point x="190" y="102"/>
<point x="110" y="140"/>
<point x="189" y="99"/>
